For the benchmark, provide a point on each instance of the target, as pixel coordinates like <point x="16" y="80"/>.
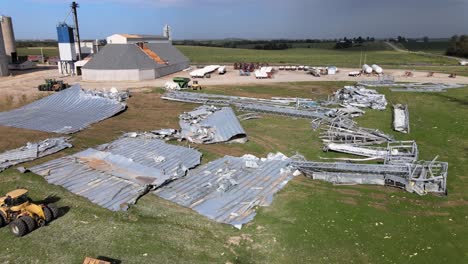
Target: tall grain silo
<point x="67" y="50"/>
<point x="3" y="57"/>
<point x="9" y="38"/>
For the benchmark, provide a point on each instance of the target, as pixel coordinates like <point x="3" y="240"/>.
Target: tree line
<point x="458" y="46"/>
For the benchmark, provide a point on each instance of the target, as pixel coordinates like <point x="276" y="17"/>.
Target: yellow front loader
<point x="23" y="216"/>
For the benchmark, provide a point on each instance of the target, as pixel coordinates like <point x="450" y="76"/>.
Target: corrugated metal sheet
<point x="144" y="151"/>
<point x="114" y="175"/>
<point x="108" y="191"/>
<point x="32" y="151"/>
<point x="211" y="125"/>
<point x="65" y="112"/>
<point x="227" y="190"/>
<point x="283" y="111"/>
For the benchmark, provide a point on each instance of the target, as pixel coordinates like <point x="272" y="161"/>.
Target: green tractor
<point x="53" y="85"/>
<point x="182" y="82"/>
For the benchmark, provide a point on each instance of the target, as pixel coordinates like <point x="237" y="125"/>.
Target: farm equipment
<point x="244" y="73"/>
<point x="23" y="216"/>
<point x="181" y="81"/>
<point x="408" y="74"/>
<point x="196" y="85"/>
<point x="53" y="85"/>
<point x="453" y="75"/>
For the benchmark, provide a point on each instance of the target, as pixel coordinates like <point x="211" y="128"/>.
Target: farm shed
<point x="134" y="62"/>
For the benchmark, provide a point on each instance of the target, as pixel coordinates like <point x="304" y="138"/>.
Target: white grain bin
<point x="377" y="69"/>
<point x="366" y="69"/>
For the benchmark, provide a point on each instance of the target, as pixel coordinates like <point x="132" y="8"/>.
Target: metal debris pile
<point x="401" y="118"/>
<point x="422" y="177"/>
<point x="360" y="97"/>
<point x="229" y="189"/>
<point x="396" y="152"/>
<point x="115" y="175"/>
<point x="66" y="112"/>
<point x="424" y="87"/>
<point x="33" y="151"/>
<point x="410" y="87"/>
<point x="112" y="94"/>
<point x="210" y="124"/>
<point x="217" y="99"/>
<point x="344" y="130"/>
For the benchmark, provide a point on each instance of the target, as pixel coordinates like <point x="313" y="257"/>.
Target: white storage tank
<point x="3" y="58"/>
<point x="9" y="38"/>
<point x="366" y="69"/>
<point x="377" y="69"/>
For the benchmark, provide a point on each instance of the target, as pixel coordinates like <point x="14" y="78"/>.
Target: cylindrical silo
<point x="377" y="69"/>
<point x="3" y="58"/>
<point x="366" y="69"/>
<point x="9" y="38"/>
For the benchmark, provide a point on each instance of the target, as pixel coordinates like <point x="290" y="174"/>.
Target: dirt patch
<point x="379" y="206"/>
<point x="349" y="200"/>
<point x="236" y="240"/>
<point x="453" y="203"/>
<point x="378" y="196"/>
<point x="349" y="192"/>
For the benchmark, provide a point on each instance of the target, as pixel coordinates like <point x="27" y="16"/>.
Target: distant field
<point x="313" y="56"/>
<point x="48" y="51"/>
<point x="435" y="47"/>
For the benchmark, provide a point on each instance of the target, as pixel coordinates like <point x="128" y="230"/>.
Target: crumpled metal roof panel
<point x="146" y="152"/>
<point x="219" y="125"/>
<point x="114" y="175"/>
<point x="108" y="191"/>
<point x="65" y="112"/>
<point x="227" y="190"/>
<point x="33" y="151"/>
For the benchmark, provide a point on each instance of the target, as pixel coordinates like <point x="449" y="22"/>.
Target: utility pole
<point x="74" y="6"/>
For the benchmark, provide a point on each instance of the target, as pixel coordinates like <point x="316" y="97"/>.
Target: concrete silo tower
<point x="9" y="38"/>
<point x="3" y="58"/>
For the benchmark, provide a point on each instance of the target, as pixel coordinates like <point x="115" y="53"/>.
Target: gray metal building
<point x="135" y="62"/>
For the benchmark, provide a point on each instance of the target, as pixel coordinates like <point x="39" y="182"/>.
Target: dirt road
<point x="27" y="82"/>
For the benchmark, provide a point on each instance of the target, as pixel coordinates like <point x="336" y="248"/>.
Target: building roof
<point x="130" y="56"/>
<point x="141" y="36"/>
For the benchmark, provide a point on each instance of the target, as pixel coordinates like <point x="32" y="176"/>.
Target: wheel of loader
<point x="2" y="219"/>
<point x="48" y="215"/>
<point x="18" y="228"/>
<point x="54" y="209"/>
<point x="30" y="223"/>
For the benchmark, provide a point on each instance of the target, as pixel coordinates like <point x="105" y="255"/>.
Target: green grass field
<point x="47" y="51"/>
<point x="435" y="47"/>
<point x="313" y="56"/>
<point x="308" y="222"/>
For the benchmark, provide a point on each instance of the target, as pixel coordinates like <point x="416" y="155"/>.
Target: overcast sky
<point x="259" y="19"/>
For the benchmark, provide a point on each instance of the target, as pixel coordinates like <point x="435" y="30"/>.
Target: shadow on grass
<point x="111" y="260"/>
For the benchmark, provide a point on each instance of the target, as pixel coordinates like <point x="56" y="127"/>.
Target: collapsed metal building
<point x="33" y="151"/>
<point x="210" y="124"/>
<point x="421" y="177"/>
<point x="229" y="189"/>
<point x="66" y="112"/>
<point x="115" y="175"/>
